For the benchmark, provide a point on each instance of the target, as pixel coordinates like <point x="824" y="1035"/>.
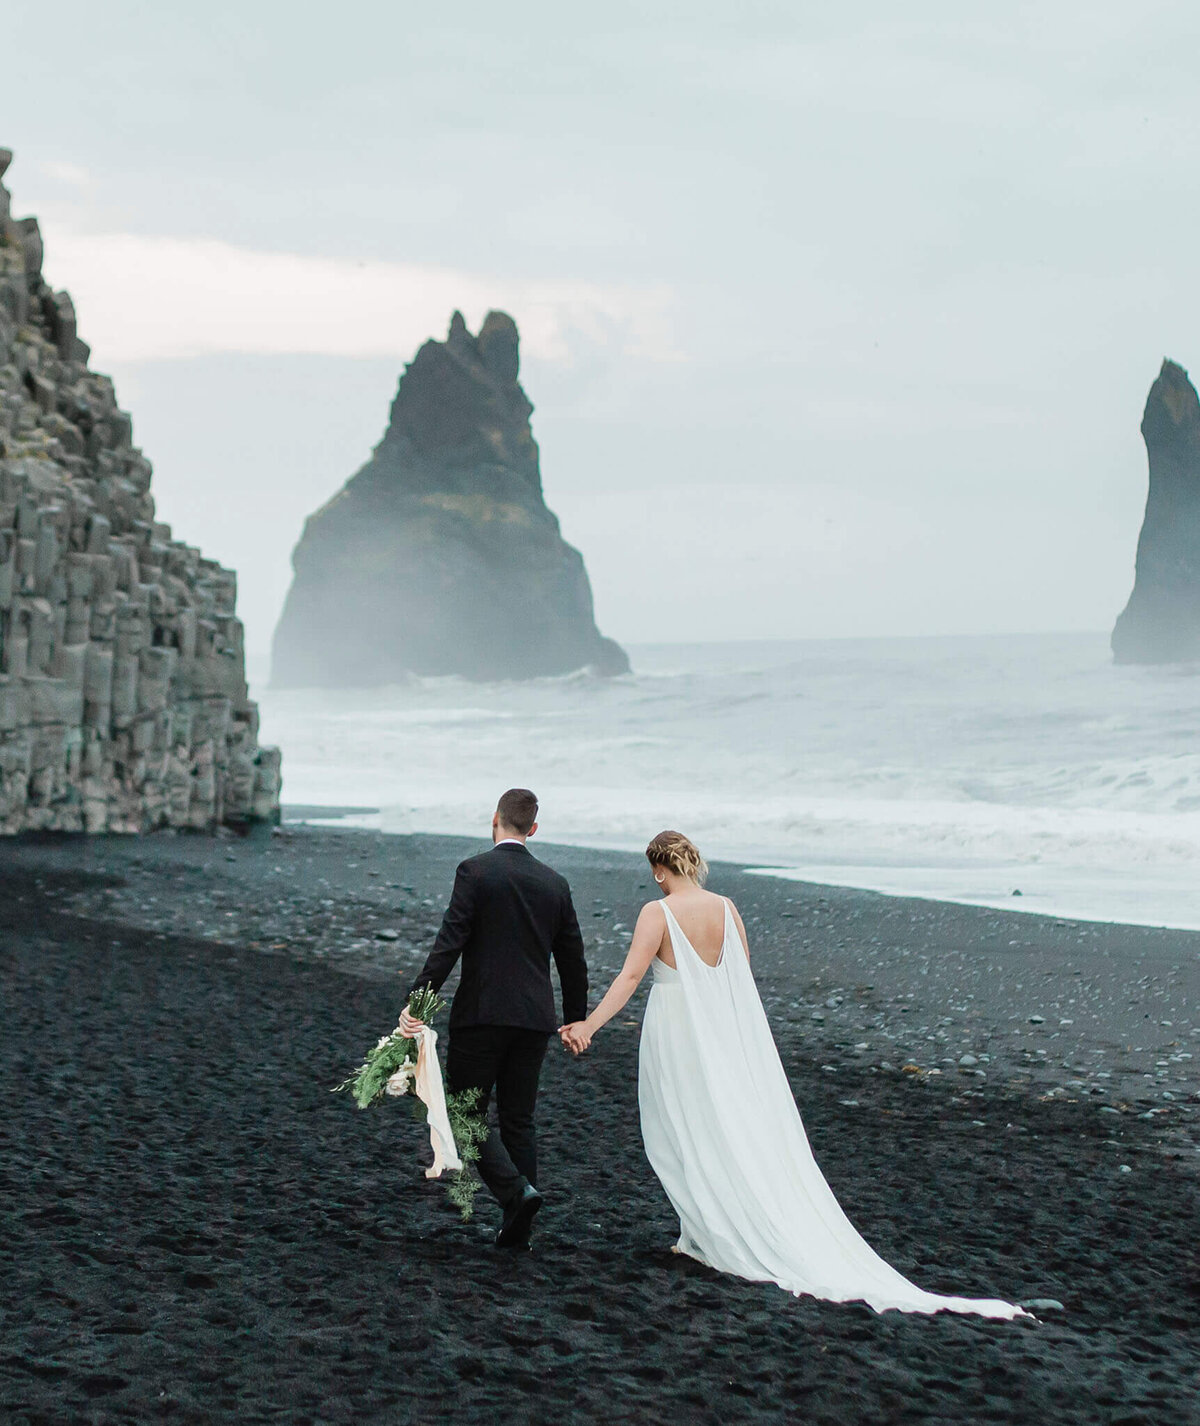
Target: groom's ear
<point x="532" y="830"/>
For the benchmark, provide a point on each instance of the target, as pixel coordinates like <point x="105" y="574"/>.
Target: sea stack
<point x="123" y="700"/>
<point x="1161" y="622"/>
<point x="440" y="556"/>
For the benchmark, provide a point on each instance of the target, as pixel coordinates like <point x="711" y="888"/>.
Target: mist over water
<point x="955" y="768"/>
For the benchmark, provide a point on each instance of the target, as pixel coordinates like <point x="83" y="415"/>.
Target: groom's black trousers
<point x="508" y="1060"/>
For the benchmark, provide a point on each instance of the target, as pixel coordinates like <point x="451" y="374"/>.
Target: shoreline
<point x="880" y="879"/>
<point x="1016" y="901"/>
<point x="1098" y="1012"/>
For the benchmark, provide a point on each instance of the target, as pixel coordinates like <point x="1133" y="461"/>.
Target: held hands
<point x="575" y="1037"/>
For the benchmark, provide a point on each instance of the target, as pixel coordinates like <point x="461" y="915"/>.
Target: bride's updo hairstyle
<point x="677" y="853"/>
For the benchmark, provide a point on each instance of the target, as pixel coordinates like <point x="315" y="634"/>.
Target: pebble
<point x="967" y="1062"/>
<point x="387" y="935"/>
<point x="1037" y="1019"/>
<point x="1042" y="1304"/>
<point x="1064" y="1134"/>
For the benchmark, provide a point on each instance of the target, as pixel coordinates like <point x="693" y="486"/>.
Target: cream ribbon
<point x="429" y="1090"/>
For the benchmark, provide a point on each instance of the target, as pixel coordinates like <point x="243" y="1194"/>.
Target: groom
<point x="508" y="915"/>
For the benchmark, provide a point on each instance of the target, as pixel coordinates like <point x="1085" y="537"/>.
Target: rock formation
<point x="1161" y="622"/>
<point x="122" y="681"/>
<point x="439" y="556"/>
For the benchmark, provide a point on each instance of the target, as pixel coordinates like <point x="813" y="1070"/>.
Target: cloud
<point x="146" y="298"/>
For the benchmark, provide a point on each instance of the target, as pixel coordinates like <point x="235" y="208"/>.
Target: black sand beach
<point x="197" y="1230"/>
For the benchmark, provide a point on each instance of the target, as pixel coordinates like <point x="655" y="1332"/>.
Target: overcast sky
<point x="836" y="321"/>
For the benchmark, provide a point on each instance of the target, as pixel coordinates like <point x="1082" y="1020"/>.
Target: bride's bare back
<point x="678" y="869"/>
<point x="700" y="915"/>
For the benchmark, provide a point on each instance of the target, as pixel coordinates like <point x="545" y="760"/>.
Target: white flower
<point x="383" y="1040"/>
<point x="403" y="1079"/>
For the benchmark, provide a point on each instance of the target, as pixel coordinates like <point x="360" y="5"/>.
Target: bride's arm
<point x="647" y="938"/>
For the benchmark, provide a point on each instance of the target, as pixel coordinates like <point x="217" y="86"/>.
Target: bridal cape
<point x="724" y="1136"/>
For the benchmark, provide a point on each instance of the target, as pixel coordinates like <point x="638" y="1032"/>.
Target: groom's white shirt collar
<point x="510" y="842"/>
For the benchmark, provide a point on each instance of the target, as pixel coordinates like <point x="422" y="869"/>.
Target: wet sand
<point x="199" y="1231"/>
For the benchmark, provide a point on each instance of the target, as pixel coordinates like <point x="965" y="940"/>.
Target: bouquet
<point x="390" y="1071"/>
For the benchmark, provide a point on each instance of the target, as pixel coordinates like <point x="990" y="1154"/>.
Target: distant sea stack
<point x="440" y="556"/>
<point x="122" y="681"/>
<point x="1161" y="622"/>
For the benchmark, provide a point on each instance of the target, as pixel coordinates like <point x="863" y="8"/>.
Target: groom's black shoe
<point x="518" y="1219"/>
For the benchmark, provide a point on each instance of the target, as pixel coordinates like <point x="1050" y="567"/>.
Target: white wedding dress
<point x="723" y="1134"/>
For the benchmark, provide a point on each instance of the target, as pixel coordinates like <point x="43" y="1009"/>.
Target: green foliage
<point x="368" y="1081"/>
<point x="467" y="1124"/>
<point x="470" y="1129"/>
<point x="425" y="1003"/>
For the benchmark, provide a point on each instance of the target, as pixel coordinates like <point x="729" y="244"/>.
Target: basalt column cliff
<point x="1161" y="622"/>
<point x="122" y="682"/>
<point x="440" y="556"/>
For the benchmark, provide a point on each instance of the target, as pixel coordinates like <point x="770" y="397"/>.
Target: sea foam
<point x="957" y="768"/>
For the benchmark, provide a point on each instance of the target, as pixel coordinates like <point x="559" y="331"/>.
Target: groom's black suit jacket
<point x="508" y="915"/>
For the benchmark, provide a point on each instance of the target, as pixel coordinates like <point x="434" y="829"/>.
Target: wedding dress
<point x="723" y="1134"/>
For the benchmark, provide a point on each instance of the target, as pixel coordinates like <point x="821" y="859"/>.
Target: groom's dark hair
<point x="518" y="809"/>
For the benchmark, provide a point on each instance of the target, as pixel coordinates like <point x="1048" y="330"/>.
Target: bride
<point x="720" y="1126"/>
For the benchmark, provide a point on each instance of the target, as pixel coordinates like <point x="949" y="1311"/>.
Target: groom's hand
<point x="409" y="1026"/>
<point x="575" y="1037"/>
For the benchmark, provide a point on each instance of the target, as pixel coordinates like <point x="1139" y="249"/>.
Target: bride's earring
<point x="660" y="880"/>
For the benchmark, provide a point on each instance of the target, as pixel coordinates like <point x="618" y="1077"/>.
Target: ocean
<point x="964" y="769"/>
